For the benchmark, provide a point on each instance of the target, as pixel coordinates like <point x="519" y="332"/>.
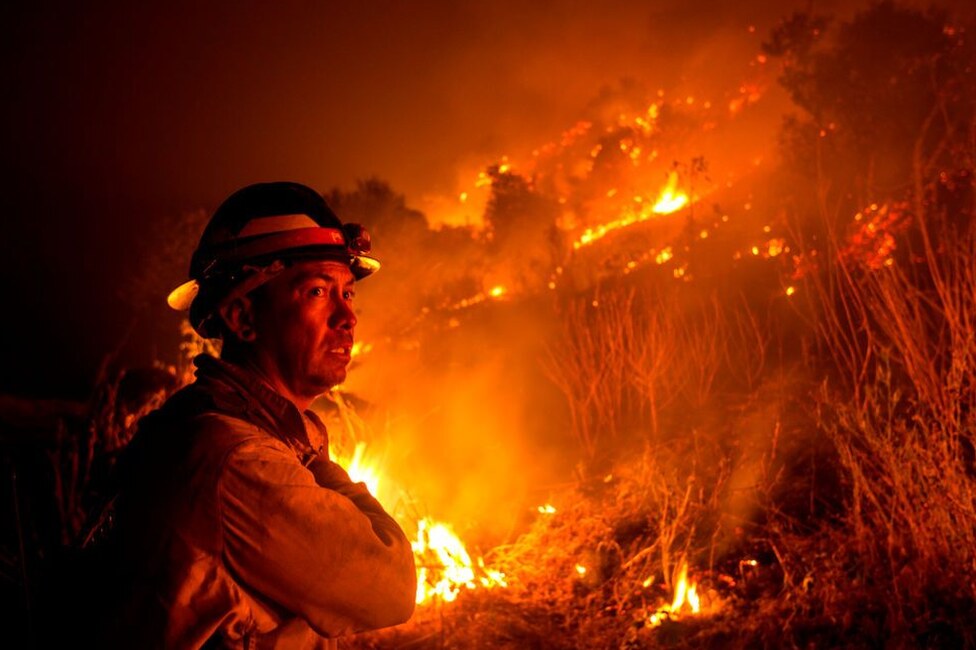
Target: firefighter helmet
<point x="253" y="233"/>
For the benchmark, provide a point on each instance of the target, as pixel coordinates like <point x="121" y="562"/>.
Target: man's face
<point x="304" y="323"/>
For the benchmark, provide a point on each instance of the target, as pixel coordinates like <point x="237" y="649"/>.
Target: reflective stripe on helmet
<point x="279" y="223"/>
<point x="238" y="250"/>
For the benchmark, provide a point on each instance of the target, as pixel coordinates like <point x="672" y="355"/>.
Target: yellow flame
<point x="547" y="509"/>
<point x="498" y="291"/>
<point x="685" y="592"/>
<point x="444" y="566"/>
<point x="580" y="569"/>
<point x="359" y="470"/>
<point x="685" y="600"/>
<point x="670" y="199"/>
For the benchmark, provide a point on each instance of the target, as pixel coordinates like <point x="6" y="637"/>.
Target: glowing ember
<point x="547" y="509"/>
<point x="580" y="569"/>
<point x="495" y="293"/>
<point x="874" y="232"/>
<point x="776" y="246"/>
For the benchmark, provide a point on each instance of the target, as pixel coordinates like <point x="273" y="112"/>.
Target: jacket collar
<point x="237" y="391"/>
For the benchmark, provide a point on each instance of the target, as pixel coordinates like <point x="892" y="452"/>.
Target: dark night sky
<point x="119" y="114"/>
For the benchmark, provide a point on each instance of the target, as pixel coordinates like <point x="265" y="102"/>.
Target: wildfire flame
<point x="686" y="599"/>
<point x="670" y="199"/>
<point x="444" y="566"/>
<point x="361" y="472"/>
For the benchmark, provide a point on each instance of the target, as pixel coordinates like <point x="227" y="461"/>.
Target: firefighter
<point x="233" y="526"/>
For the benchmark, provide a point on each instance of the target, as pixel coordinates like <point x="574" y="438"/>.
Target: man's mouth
<point x="342" y="351"/>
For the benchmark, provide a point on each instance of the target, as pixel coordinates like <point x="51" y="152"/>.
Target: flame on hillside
<point x="670" y="199"/>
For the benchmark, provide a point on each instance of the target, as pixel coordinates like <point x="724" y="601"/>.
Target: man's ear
<point x="238" y="317"/>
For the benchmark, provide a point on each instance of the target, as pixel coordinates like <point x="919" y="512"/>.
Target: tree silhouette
<point x="884" y="101"/>
<point x="521" y="229"/>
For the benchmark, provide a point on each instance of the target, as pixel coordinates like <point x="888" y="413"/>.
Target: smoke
<point x="464" y="417"/>
<point x="124" y="113"/>
<point x="459" y="408"/>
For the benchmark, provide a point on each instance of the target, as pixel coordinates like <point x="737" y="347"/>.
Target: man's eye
<point x="348" y="295"/>
<point x="316" y="292"/>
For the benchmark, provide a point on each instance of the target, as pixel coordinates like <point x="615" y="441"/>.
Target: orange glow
<point x="359" y="348"/>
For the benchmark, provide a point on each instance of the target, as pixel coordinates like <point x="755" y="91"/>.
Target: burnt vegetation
<point x="789" y="419"/>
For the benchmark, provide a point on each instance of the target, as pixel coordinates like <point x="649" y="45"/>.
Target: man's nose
<point x="343" y="317"/>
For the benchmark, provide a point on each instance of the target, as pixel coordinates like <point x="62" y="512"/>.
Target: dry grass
<point x="892" y="563"/>
<point x="684" y="423"/>
<point x="899" y="410"/>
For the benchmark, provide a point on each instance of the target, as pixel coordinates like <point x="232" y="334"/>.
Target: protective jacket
<point x="236" y="530"/>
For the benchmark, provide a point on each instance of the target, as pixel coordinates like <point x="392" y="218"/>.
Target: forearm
<point x="331" y="475"/>
<point x="330" y="555"/>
